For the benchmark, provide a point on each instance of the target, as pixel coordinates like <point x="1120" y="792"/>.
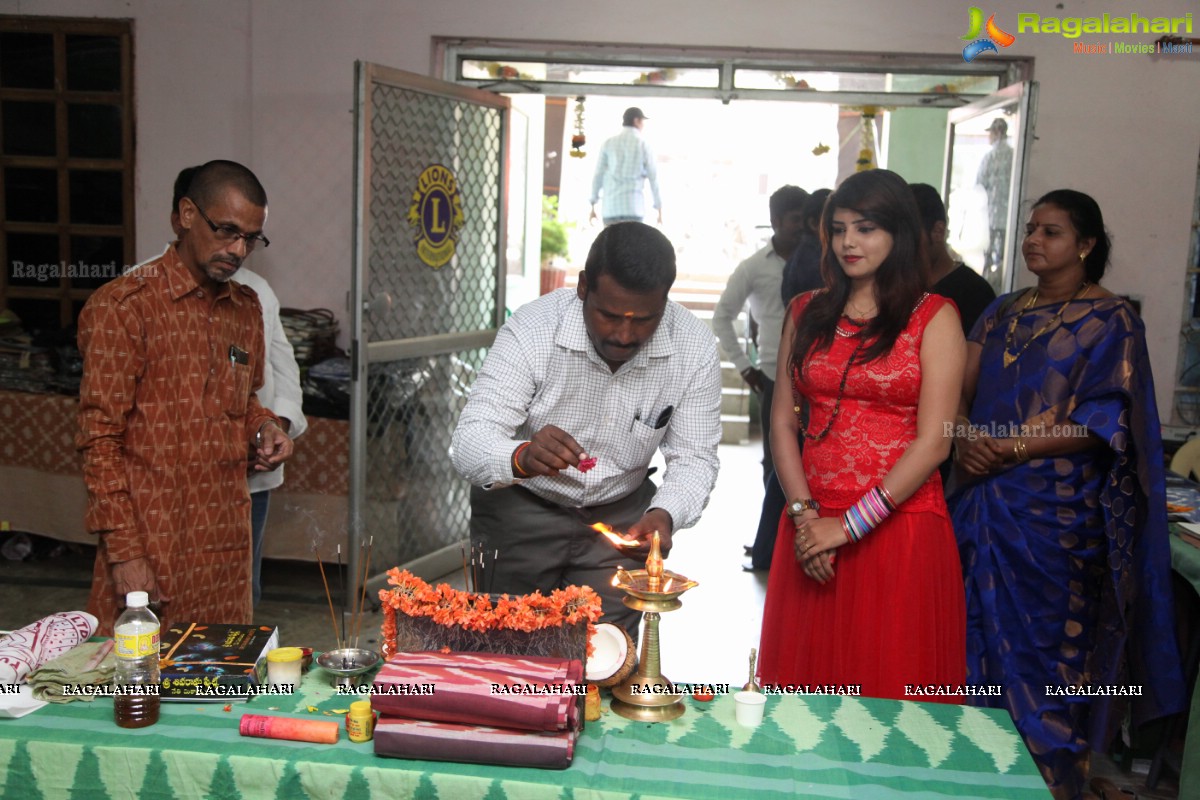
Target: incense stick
<point x="466" y="579"/>
<point x="356" y="601"/>
<point x="342" y="592"/>
<point x="481" y="580"/>
<point x="329" y="597"/>
<point x="363" y="598"/>
<point x="474" y="570"/>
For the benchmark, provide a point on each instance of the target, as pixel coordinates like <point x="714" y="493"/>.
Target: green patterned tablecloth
<point x="808" y="747"/>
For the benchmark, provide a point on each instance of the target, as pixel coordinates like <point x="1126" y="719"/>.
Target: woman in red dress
<point x="865" y="588"/>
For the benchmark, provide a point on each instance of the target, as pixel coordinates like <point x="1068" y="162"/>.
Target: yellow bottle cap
<point x="360" y="708"/>
<point x="285" y="654"/>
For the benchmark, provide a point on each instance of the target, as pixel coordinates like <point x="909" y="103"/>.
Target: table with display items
<point x="813" y="746"/>
<point x="42" y="490"/>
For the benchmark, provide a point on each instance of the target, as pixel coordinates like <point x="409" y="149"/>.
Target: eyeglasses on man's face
<point x="228" y="233"/>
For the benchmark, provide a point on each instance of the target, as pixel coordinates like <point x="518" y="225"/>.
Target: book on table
<point x="1188" y="532"/>
<point x="203" y="662"/>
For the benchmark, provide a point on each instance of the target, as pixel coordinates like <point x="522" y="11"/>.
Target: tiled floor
<point x="707" y="640"/>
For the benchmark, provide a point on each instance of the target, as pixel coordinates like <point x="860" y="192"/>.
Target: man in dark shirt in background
<point x="949" y="278"/>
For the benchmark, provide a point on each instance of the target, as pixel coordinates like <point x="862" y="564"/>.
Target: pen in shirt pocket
<point x="237" y="355"/>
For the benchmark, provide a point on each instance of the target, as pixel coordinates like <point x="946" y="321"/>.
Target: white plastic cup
<point x="748" y="708"/>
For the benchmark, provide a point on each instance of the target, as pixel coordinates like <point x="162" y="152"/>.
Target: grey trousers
<point x="546" y="546"/>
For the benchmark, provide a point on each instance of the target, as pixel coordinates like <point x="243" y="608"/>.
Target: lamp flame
<point x="617" y="539"/>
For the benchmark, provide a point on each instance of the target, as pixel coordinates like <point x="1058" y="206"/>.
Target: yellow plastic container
<point x="360" y="722"/>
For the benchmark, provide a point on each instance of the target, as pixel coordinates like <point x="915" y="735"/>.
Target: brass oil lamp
<point x="647" y="696"/>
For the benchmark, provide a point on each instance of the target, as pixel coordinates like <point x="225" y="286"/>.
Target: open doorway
<point x="779" y="117"/>
<point x="717" y="165"/>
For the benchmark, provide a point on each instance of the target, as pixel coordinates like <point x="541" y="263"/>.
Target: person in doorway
<point x="802" y="273"/>
<point x="280" y="391"/>
<point x="995" y="176"/>
<point x="625" y="164"/>
<point x="756" y="281"/>
<point x="579" y="391"/>
<point x="173" y="356"/>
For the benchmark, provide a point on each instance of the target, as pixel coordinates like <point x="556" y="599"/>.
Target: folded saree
<point x="442" y="741"/>
<point x="527" y="693"/>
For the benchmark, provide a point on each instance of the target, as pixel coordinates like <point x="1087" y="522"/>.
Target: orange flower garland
<point x="414" y="597"/>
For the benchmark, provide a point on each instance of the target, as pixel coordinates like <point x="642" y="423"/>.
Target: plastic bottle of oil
<point x="135" y="681"/>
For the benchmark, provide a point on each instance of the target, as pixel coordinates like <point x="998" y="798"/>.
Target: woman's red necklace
<point x="837" y="407"/>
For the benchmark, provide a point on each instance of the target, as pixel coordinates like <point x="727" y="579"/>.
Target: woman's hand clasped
<point x="816" y="541"/>
<point x="980" y="455"/>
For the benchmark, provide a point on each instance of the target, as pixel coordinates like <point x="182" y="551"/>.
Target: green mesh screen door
<point x="427" y="297"/>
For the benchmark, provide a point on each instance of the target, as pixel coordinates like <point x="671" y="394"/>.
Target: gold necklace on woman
<point x="1010" y="357"/>
<point x="861" y="315"/>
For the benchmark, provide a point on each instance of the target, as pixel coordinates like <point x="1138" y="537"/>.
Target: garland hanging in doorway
<point x="579" y="138"/>
<point x="866" y="154"/>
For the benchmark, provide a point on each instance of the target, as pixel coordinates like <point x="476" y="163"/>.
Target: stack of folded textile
<point x="479" y="707"/>
<point x="22" y="651"/>
<point x="312" y="334"/>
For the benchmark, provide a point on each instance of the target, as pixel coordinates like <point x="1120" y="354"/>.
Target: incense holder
<point x="348" y="664"/>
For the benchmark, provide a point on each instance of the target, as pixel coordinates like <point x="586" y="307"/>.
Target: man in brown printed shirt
<point x="173" y="356"/>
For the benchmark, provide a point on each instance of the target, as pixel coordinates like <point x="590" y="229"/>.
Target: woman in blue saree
<point x="1060" y="513"/>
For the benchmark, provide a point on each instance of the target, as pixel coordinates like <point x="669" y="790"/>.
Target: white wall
<point x="269" y="82"/>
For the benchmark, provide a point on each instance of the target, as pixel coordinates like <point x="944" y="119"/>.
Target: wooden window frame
<point x="67" y="295"/>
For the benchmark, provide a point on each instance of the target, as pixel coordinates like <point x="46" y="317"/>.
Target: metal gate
<point x="426" y="299"/>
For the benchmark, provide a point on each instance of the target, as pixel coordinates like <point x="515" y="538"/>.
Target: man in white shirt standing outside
<point x="757" y="280"/>
<point x="625" y="163"/>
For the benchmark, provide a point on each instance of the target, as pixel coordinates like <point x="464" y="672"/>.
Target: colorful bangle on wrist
<point x="887" y="497"/>
<point x="864" y="516"/>
<point x="516" y="464"/>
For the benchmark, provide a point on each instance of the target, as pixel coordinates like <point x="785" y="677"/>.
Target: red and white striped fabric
<point x="441" y="741"/>
<point x="529" y="693"/>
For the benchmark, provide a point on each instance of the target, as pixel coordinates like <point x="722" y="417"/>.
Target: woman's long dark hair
<point x="882" y="197"/>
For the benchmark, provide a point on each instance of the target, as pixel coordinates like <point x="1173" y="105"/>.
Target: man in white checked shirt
<point x="612" y="371"/>
<point x="624" y="165"/>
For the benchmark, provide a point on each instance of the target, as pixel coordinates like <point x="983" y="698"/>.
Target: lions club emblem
<point x="436" y="215"/>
